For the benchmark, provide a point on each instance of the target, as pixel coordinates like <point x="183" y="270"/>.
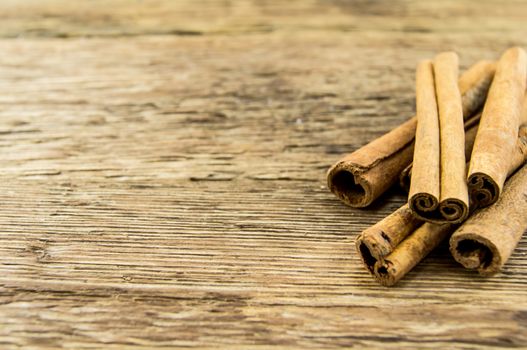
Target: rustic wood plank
<point x="59" y="18"/>
<point x="169" y="190"/>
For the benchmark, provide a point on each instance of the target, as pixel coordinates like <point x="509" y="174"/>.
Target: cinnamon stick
<point x="454" y="192"/>
<point x="486" y="240"/>
<point x="438" y="190"/>
<point x="425" y="187"/>
<point x="362" y="176"/>
<point x="480" y="195"/>
<point x="497" y="134"/>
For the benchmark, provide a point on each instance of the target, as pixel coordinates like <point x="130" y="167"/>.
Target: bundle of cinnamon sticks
<point x="461" y="159"/>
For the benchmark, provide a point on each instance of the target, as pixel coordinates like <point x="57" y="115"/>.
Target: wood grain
<point x="168" y="190"/>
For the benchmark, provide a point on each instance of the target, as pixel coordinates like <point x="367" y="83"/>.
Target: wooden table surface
<point x="163" y="175"/>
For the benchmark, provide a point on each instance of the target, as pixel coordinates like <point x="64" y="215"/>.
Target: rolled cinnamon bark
<point x="497" y="134"/>
<point x="425" y="188"/>
<point x="486" y="240"/>
<point x="410" y="252"/>
<point x="438" y="190"/>
<point x="362" y="176"/>
<point x="381" y="239"/>
<point x="479" y="195"/>
<point x="453" y="205"/>
<point x="471" y="128"/>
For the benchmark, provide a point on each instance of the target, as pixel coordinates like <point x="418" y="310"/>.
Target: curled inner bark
<point x="453" y="210"/>
<point x="424" y="202"/>
<point x="474" y="254"/>
<point x="483" y="190"/>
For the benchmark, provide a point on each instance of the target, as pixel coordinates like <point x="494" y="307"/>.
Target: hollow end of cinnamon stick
<point x="476" y="252"/>
<point x="349" y="186"/>
<point x="358" y="186"/>
<point x="483" y="190"/>
<point x="367" y="257"/>
<point x="376" y="248"/>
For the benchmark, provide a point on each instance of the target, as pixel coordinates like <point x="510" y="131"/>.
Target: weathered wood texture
<point x="168" y="190"/>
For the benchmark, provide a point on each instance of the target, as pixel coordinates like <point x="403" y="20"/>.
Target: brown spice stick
<point x="471" y="128"/>
<point x="453" y="204"/>
<point x="381" y="239"/>
<point x="479" y="194"/>
<point x="496" y="138"/>
<point x="410" y="252"/>
<point x="425" y="187"/>
<point x="486" y="240"/>
<point x="362" y="176"/>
